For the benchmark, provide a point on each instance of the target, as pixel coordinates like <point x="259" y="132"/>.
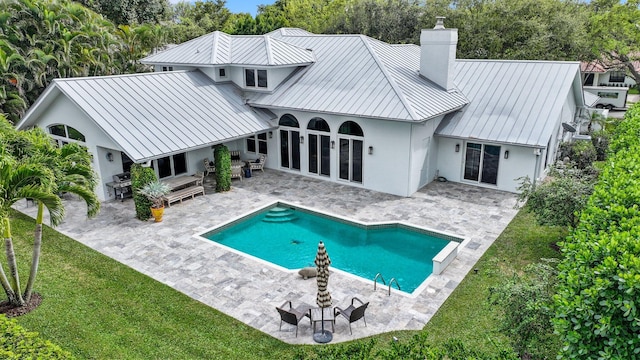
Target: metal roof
<point x="157" y="114"/>
<point x="359" y="76"/>
<point x="514" y="102"/>
<point x="218" y="48"/>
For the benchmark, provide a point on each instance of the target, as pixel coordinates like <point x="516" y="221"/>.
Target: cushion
<point x="257" y="161"/>
<point x="308" y="272"/>
<point x="211" y="163"/>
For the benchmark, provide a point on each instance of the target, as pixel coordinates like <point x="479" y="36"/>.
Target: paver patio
<point x="249" y="290"/>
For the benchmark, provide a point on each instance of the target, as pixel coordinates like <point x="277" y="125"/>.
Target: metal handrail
<point x="391" y="282"/>
<point x="375" y="280"/>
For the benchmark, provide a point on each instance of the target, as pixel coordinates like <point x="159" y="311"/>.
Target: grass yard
<point x="97" y="308"/>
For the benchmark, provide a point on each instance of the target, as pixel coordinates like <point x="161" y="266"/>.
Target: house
<point x="609" y="81"/>
<point x="343" y="108"/>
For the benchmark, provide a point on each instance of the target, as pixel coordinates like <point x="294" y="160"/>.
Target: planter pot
<point x="157" y="213"/>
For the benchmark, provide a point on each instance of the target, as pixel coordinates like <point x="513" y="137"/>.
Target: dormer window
<point x="222" y="73"/>
<point x="251" y="75"/>
<point x="167" y="68"/>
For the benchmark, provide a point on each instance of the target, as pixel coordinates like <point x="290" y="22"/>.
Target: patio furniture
<point x="293" y="316"/>
<point x="199" y="175"/>
<point x="259" y="165"/>
<point x="179" y="195"/>
<point x="236" y="172"/>
<point x="235" y="158"/>
<point x="208" y="167"/>
<point x="353" y="313"/>
<point x="316" y="317"/>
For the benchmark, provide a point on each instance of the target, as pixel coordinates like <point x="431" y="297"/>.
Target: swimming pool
<point x="288" y="236"/>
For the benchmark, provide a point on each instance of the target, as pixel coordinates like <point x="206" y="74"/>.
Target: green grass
<point x="97" y="308"/>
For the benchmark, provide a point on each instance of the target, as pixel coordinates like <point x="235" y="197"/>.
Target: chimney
<point x="438" y="54"/>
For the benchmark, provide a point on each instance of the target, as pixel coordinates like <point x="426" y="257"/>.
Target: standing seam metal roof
<point x="218" y="48"/>
<point x="359" y="76"/>
<point x="514" y="102"/>
<point x="155" y="114"/>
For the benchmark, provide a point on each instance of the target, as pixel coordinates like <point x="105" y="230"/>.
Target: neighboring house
<point x="609" y="82"/>
<point x="343" y="108"/>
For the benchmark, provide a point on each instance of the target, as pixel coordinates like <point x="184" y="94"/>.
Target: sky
<point x="238" y="6"/>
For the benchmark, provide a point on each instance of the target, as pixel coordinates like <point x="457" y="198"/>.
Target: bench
<point x="179" y="195"/>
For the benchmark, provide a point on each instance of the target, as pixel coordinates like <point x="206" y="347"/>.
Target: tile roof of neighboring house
<point x="355" y="75"/>
<point x="602" y="67"/>
<point x="510" y="102"/>
<point x="218" y="48"/>
<point x="155" y="114"/>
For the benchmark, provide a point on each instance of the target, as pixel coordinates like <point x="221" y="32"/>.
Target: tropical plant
<point x="155" y="191"/>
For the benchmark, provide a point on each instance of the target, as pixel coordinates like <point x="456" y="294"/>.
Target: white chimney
<point x="438" y="54"/>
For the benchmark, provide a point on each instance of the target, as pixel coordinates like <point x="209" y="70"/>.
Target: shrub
<point x="580" y="152"/>
<point x="526" y="302"/>
<point x="141" y="176"/>
<point x="559" y="200"/>
<point x="600" y="140"/>
<point x="599" y="276"/>
<point x="223" y="168"/>
<point x="18" y="343"/>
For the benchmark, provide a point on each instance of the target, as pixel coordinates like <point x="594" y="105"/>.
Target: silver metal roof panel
<point x="155" y="114"/>
<point x="514" y="102"/>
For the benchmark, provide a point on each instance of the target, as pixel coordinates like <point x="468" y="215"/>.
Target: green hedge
<point x="598" y="295"/>
<point x="141" y="176"/>
<point x="223" y="168"/>
<point x="18" y="343"/>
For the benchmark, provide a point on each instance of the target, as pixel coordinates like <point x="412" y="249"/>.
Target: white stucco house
<point x="344" y="108"/>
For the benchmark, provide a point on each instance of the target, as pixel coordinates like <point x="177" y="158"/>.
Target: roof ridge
<point x="267" y="44"/>
<point x="152" y="73"/>
<point x="390" y="79"/>
<point x="214" y="51"/>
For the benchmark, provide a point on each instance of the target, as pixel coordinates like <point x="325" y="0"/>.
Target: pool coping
<point x="461" y="241"/>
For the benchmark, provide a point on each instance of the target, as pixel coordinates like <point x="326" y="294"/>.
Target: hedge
<point x="18" y="343"/>
<point x="597" y="299"/>
<point x="223" y="168"/>
<point x="141" y="176"/>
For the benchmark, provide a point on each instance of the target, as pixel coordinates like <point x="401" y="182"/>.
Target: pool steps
<point x="279" y="214"/>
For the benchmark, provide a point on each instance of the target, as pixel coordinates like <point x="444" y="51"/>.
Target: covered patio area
<point x="249" y="290"/>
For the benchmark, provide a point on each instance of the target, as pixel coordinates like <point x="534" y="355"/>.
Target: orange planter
<point x="157" y="213"/>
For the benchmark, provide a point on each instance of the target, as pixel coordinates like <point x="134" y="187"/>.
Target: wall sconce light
<point x="109" y="156"/>
<point x="506" y="154"/>
<point x="333" y="144"/>
<point x="270" y="134"/>
<point x="301" y="139"/>
<point x="370" y="150"/>
<point x="457" y="147"/>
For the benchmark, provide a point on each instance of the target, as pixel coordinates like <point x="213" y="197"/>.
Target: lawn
<point x="95" y="307"/>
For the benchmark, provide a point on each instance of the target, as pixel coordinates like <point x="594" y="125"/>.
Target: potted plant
<point x="155" y="191"/>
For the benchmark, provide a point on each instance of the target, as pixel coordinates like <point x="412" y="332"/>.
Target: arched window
<point x="289" y="142"/>
<point x="351" y="145"/>
<point x="289" y="120"/>
<point x="318" y="124"/>
<point x="64" y="134"/>
<point x="319" y="147"/>
<point x="350" y="128"/>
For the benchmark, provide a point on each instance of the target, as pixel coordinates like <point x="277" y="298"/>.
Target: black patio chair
<point x="293" y="316"/>
<point x="352" y="313"/>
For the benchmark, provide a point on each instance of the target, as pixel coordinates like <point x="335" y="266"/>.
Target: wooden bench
<point x="181" y="194"/>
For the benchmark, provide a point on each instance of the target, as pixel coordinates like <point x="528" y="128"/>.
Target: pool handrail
<point x="391" y="282"/>
<point x="375" y="280"/>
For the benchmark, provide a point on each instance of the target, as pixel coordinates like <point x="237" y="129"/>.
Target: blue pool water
<point x="289" y="237"/>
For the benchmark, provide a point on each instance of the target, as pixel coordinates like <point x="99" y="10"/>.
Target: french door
<point x="290" y="149"/>
<point x="319" y="154"/>
<point x="481" y="163"/>
<point x="351" y="159"/>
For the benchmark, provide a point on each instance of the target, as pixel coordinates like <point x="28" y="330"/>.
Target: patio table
<point x="181" y="181"/>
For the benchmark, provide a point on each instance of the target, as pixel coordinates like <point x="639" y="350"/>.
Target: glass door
<point x="481" y="163"/>
<point x="290" y="149"/>
<point x="351" y="159"/>
<point x="319" y="154"/>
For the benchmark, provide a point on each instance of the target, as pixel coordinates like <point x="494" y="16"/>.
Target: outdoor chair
<point x="293" y="316"/>
<point x="200" y="176"/>
<point x="208" y="167"/>
<point x="352" y="313"/>
<point x="236" y="172"/>
<point x="259" y="163"/>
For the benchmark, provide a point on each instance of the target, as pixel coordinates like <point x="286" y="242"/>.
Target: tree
<point x="615" y="31"/>
<point x="130" y="12"/>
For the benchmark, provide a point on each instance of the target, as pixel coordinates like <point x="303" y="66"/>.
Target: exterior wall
<point x="603" y="80"/>
<point x="422" y="169"/>
<point x="386" y="169"/>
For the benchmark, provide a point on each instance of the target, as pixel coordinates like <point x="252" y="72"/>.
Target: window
<point x="617" y="76"/>
<point x="289" y="142"/>
<point x="167" y="68"/>
<point x="250" y="76"/>
<point x="64" y="134"/>
<point x="351" y="152"/>
<point x="171" y="165"/>
<point x="258" y="142"/>
<point x="222" y="73"/>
